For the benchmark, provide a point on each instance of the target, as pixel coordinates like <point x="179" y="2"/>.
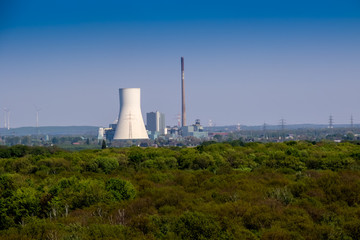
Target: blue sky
<point x="246" y="62"/>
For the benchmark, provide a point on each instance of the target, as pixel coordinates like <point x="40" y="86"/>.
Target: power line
<point x="282" y="125"/>
<point x="331" y="121"/>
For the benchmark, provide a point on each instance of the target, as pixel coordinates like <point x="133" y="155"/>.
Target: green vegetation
<point x="234" y="190"/>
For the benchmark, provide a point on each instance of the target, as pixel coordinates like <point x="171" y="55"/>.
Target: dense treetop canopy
<point x="291" y="190"/>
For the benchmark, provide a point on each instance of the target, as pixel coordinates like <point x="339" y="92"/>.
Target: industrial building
<point x="155" y="122"/>
<point x="107" y="133"/>
<point x="195" y="130"/>
<point x="101" y="134"/>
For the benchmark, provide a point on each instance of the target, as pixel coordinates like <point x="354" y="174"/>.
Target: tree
<point x="120" y="189"/>
<point x="195" y="225"/>
<point x="218" y="138"/>
<point x="26" y="140"/>
<point x="55" y="140"/>
<point x="107" y="164"/>
<point x="103" y="145"/>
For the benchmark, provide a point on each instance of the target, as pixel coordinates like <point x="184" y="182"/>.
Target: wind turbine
<point x="37" y="115"/>
<point x="7" y="118"/>
<point x="8" y="122"/>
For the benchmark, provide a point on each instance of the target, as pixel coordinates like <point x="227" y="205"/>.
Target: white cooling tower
<point x="130" y="124"/>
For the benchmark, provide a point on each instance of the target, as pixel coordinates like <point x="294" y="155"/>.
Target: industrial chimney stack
<point x="183" y="112"/>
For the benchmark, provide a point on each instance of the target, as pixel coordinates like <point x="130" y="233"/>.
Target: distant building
<point x="110" y="132"/>
<point x="174" y="131"/>
<point x="195" y="130"/>
<point x="101" y="134"/>
<point x="155" y="122"/>
<point x="153" y="134"/>
<point x="224" y="134"/>
<point x="107" y="133"/>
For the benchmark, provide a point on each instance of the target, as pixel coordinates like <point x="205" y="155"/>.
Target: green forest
<point x="232" y="190"/>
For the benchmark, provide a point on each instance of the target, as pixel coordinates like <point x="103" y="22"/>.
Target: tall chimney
<point x="183" y="112"/>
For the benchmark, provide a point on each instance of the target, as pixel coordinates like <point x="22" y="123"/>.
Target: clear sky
<point x="246" y="62"/>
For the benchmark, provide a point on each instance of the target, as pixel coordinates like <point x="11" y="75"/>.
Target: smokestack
<point x="183" y="112"/>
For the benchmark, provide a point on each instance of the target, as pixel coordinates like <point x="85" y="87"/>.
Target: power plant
<point x="130" y="123"/>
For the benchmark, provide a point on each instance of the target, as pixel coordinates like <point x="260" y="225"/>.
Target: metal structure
<point x="7" y="118"/>
<point x="130" y="124"/>
<point x="178" y="119"/>
<point x="211" y="123"/>
<point x="282" y="125"/>
<point x="37" y="109"/>
<point x="331" y="122"/>
<point x="183" y="111"/>
<point x="264" y="130"/>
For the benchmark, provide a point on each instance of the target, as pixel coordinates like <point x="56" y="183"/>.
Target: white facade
<point x="101" y="134"/>
<point x="130" y="124"/>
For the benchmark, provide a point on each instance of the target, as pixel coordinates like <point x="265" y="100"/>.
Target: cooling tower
<point x="130" y="124"/>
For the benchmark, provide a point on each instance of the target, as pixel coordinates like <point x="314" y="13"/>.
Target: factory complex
<point x="130" y="124"/>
